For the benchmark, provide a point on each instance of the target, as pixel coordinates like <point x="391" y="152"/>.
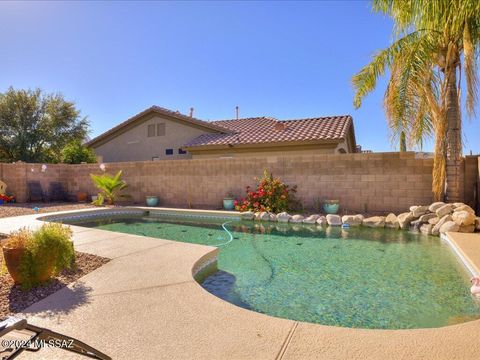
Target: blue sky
<point x="281" y="59"/>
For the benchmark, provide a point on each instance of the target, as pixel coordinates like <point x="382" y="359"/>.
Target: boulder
<point x="449" y="226"/>
<point x="283" y="217"/>
<point x="404" y="220"/>
<point x="416" y="224"/>
<point x="272" y="216"/>
<point x="438" y="225"/>
<point x="466" y="228"/>
<point x="477" y="224"/>
<point x="464" y="208"/>
<point x="426" y="229"/>
<point x="322" y="221"/>
<point x="256" y="216"/>
<point x="433" y="207"/>
<point x="434" y="220"/>
<point x="444" y="210"/>
<point x="352" y="220"/>
<point x="247" y="215"/>
<point x="391" y="221"/>
<point x="463" y="218"/>
<point x="424" y="218"/>
<point x="297" y="219"/>
<point x="419" y="211"/>
<point x="312" y="219"/>
<point x="457" y="204"/>
<point x="263" y="216"/>
<point x="334" y="220"/>
<point x="374" y="221"/>
<point x="412" y="208"/>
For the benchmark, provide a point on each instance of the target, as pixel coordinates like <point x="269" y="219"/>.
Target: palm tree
<point x="435" y="41"/>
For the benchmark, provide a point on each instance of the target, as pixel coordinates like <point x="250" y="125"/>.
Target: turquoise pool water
<point x="363" y="278"/>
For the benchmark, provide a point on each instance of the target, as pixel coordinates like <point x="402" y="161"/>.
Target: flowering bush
<point x="271" y="195"/>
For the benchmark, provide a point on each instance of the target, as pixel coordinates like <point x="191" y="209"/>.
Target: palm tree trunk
<point x="403" y="142"/>
<point x="453" y="139"/>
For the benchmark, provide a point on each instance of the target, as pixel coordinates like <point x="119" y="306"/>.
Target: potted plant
<point x="32" y="258"/>
<point x="151" y="201"/>
<point x="228" y="201"/>
<point x="331" y="206"/>
<point x="82" y="196"/>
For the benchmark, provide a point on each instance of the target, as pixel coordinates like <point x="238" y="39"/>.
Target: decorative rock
<point x="463" y="218"/>
<point x="434" y="220"/>
<point x="466" y="228"/>
<point x="426" y="217"/>
<point x="322" y="221"/>
<point x="257" y="215"/>
<point x="273" y="217"/>
<point x="433" y="207"/>
<point x="416" y="224"/>
<point x="413" y="208"/>
<point x="312" y="219"/>
<point x="247" y="215"/>
<point x="444" y="210"/>
<point x="374" y="221"/>
<point x="404" y="220"/>
<point x="297" y="219"/>
<point x="477" y="224"/>
<point x="438" y="225"/>
<point x="419" y="211"/>
<point x="284" y="217"/>
<point x="426" y="229"/>
<point x="458" y="204"/>
<point x="263" y="216"/>
<point x="391" y="221"/>
<point x="449" y="226"/>
<point x="465" y="208"/>
<point x="334" y="220"/>
<point x="352" y="220"/>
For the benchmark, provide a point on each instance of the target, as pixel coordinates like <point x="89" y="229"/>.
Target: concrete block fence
<point x="367" y="183"/>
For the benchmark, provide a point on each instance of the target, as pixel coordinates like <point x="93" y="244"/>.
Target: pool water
<point x="360" y="277"/>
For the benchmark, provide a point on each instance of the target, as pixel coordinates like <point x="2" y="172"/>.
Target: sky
<point x="286" y="60"/>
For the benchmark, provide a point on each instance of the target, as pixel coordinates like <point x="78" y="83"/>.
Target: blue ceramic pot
<point x="331" y="207"/>
<point x="152" y="201"/>
<point x="228" y="204"/>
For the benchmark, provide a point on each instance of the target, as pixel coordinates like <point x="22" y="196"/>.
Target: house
<point x="158" y="133"/>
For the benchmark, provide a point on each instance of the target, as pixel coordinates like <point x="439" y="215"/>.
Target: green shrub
<point x="76" y="153"/>
<point x="48" y="247"/>
<point x="110" y="186"/>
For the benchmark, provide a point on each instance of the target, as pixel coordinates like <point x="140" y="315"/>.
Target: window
<point x="168" y="151"/>
<point x="161" y="129"/>
<point x="181" y="151"/>
<point x="151" y="130"/>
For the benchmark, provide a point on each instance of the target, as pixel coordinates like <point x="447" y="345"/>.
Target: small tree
<point x="109" y="186"/>
<point x="76" y="153"/>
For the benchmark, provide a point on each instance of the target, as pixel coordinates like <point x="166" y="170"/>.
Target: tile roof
<point x="265" y="130"/>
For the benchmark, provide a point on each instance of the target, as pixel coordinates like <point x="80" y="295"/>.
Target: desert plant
<point x="271" y="195"/>
<point x="99" y="200"/>
<point x="110" y="186"/>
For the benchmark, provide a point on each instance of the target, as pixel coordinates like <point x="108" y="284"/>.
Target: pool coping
<point x="259" y="334"/>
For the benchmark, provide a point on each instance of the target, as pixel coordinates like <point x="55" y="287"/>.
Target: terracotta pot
<point x="13" y="258"/>
<point x="82" y="196"/>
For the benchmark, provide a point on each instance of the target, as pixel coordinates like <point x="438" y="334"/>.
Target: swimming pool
<point x="361" y="277"/>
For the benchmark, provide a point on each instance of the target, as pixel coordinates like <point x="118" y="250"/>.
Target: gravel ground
<point x="7" y="210"/>
<point x="13" y="299"/>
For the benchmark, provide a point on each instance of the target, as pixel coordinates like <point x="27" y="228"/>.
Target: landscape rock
<point x="438" y="225"/>
<point x="312" y="219"/>
<point x="426" y="229"/>
<point x="463" y="218"/>
<point x="434" y="220"/>
<point x="247" y="215"/>
<point x="273" y="217"/>
<point x="458" y="204"/>
<point x="477" y="224"/>
<point x="374" y="221"/>
<point x="416" y="224"/>
<point x="444" y="210"/>
<point x="412" y="208"/>
<point x="466" y="228"/>
<point x="322" y="220"/>
<point x="424" y="218"/>
<point x="464" y="208"/>
<point x="352" y="220"/>
<point x="263" y="216"/>
<point x="334" y="220"/>
<point x="419" y="211"/>
<point x="433" y="207"/>
<point x="283" y="217"/>
<point x="404" y="220"/>
<point x="256" y="216"/>
<point x="391" y="221"/>
<point x="297" y="218"/>
<point x="449" y="226"/>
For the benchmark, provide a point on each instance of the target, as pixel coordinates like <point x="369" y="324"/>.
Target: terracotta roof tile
<point x="265" y="130"/>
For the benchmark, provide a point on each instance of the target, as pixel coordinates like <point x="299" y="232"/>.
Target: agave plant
<point x="109" y="186"/>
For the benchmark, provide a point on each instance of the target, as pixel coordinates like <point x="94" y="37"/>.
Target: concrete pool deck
<point x="146" y="304"/>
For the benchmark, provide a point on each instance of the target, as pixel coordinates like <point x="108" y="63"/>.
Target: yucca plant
<point x="110" y="186"/>
<point x="434" y="42"/>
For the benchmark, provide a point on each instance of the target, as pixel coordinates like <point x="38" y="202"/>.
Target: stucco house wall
<point x="135" y="145"/>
